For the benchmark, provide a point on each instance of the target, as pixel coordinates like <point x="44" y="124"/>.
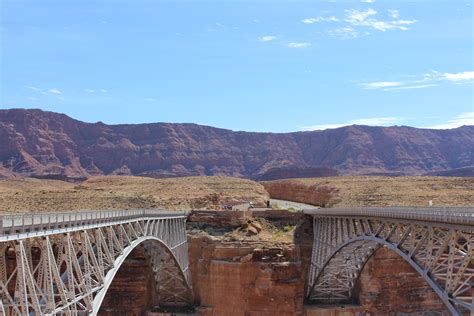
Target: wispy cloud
<point x="372" y="121"/>
<point x="365" y="18"/>
<point x="36" y="89"/>
<point x="32" y="99"/>
<point x="320" y="19"/>
<point x="89" y="90"/>
<point x="267" y="38"/>
<point x="298" y="45"/>
<point x="381" y="84"/>
<point x="54" y="91"/>
<point x="150" y="100"/>
<point x="427" y="80"/>
<point x="359" y="16"/>
<point x="420" y="86"/>
<point x="394" y="13"/>
<point x="103" y="90"/>
<point x="466" y="118"/>
<point x="344" y="32"/>
<point x="368" y="1"/>
<point x="460" y="76"/>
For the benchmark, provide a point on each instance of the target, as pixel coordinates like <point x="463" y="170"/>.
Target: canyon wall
<point x="243" y="278"/>
<point x="51" y="145"/>
<point x="237" y="279"/>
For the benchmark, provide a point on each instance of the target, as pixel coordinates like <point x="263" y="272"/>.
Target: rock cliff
<point x="51" y="145"/>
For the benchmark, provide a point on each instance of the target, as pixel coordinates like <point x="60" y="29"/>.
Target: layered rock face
<point x="388" y="285"/>
<point x="237" y="279"/>
<point x="133" y="288"/>
<point x="52" y="145"/>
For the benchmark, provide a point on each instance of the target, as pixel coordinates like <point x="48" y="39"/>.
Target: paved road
<point x="296" y="205"/>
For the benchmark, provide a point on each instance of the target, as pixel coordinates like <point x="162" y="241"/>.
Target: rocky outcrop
<point x="238" y="278"/>
<point x="46" y="144"/>
<point x="256" y="278"/>
<point x="388" y="285"/>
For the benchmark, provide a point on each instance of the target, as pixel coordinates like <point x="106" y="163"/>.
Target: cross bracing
<point x="437" y="242"/>
<point x="64" y="263"/>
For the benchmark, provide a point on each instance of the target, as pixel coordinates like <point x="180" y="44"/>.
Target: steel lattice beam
<point x="441" y="250"/>
<point x="68" y="270"/>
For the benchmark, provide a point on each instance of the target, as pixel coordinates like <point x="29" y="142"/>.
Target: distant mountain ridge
<point x="52" y="145"/>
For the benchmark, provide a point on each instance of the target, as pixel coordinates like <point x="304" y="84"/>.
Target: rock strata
<point x="52" y="145"/>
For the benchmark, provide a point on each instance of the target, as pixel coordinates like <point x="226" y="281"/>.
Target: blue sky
<point x="244" y="65"/>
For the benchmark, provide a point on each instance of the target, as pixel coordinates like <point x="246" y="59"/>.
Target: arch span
<point x="441" y="254"/>
<point x="67" y="265"/>
<point x="180" y="292"/>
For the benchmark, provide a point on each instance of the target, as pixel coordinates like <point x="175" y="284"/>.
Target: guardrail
<point x="33" y="222"/>
<point x="450" y="215"/>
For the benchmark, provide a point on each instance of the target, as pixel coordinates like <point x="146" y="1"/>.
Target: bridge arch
<point x="442" y="253"/>
<point x="184" y="290"/>
<point x="361" y="249"/>
<point x="65" y="262"/>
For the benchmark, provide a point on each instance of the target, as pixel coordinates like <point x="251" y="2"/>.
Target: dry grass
<point x="121" y="192"/>
<point x="379" y="191"/>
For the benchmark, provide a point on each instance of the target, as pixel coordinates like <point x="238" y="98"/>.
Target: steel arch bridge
<point x="63" y="263"/>
<point x="437" y="242"/>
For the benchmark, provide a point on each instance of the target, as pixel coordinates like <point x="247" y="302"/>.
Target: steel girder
<point x="70" y="272"/>
<point x="443" y="255"/>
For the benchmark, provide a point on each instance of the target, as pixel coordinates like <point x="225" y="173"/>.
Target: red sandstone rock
<point x="46" y="144"/>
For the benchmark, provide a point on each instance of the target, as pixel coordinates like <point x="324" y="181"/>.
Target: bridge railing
<point x="33" y="222"/>
<point x="451" y="215"/>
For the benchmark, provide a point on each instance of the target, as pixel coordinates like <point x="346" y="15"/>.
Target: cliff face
<point x="242" y="278"/>
<point x="46" y="144"/>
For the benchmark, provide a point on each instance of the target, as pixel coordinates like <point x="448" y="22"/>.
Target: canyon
<point x="50" y="145"/>
<point x="257" y="278"/>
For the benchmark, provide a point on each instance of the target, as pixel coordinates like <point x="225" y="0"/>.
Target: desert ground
<point x="126" y="192"/>
<point x="375" y="191"/>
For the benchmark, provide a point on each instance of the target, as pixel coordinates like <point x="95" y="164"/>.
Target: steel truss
<point x="441" y="252"/>
<point x="70" y="272"/>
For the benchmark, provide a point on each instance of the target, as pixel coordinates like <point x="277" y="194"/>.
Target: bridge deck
<point x="450" y="215"/>
<point x="19" y="226"/>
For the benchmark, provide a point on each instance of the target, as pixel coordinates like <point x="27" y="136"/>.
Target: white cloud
<point x="368" y="1"/>
<point x="103" y="90"/>
<point x="420" y="86"/>
<point x="358" y="16"/>
<point x="150" y="99"/>
<point x="298" y="45"/>
<point x="267" y="38"/>
<point x="89" y="90"/>
<point x="54" y="91"/>
<point x="32" y="98"/>
<point x="390" y="25"/>
<point x="377" y="121"/>
<point x="466" y="118"/>
<point x="365" y="18"/>
<point x="394" y="13"/>
<point x="36" y="89"/>
<point x="427" y="80"/>
<point x="322" y="127"/>
<point x="381" y="84"/>
<point x="320" y="19"/>
<point x="344" y="32"/>
<point x="372" y="121"/>
<point x="460" y="76"/>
